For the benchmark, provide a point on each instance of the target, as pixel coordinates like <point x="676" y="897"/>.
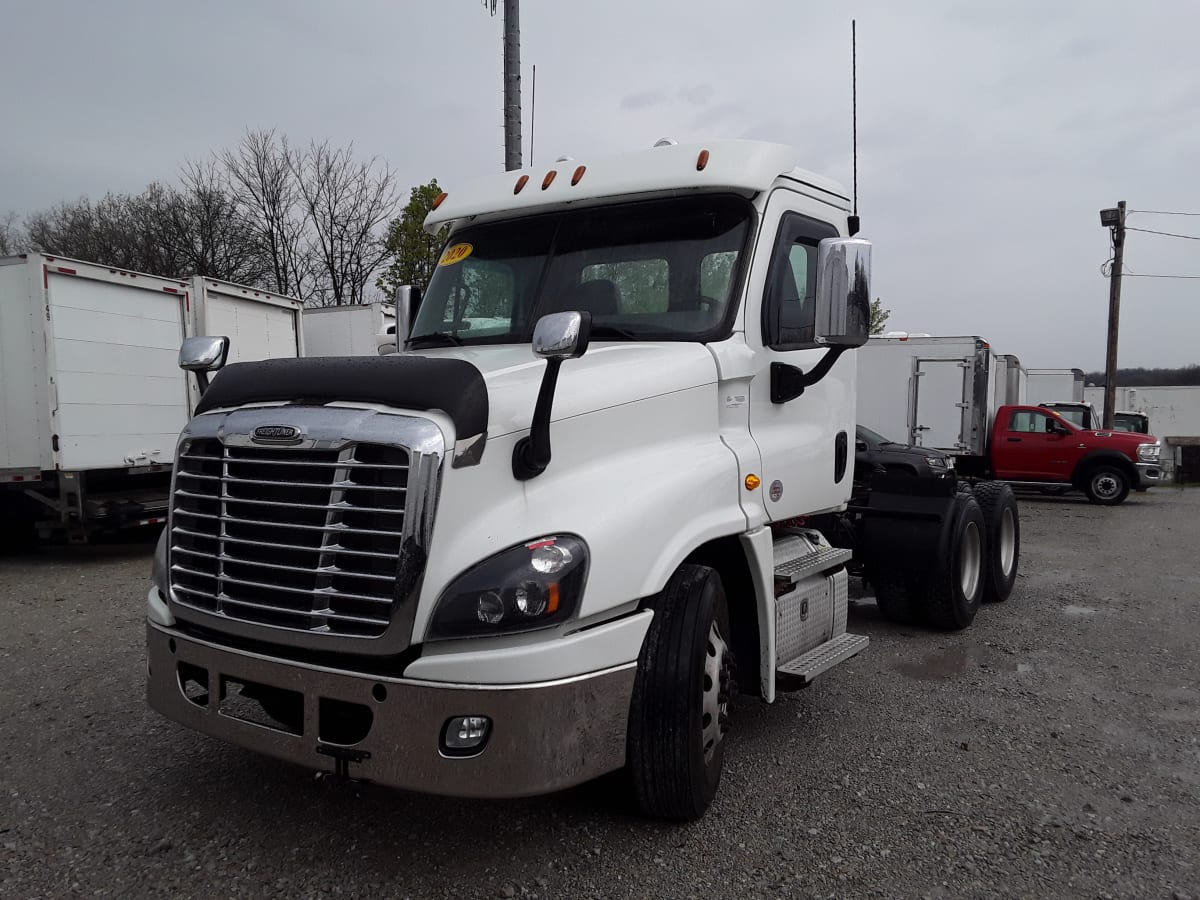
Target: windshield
<point x="661" y="270"/>
<point x="1133" y="422"/>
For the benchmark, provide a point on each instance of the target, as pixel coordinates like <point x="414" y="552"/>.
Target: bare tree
<point x="262" y="176"/>
<point x="12" y="236"/>
<point x="347" y="204"/>
<point x="209" y="232"/>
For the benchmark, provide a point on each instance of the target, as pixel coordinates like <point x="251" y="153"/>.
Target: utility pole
<point x="512" y="85"/>
<point x="1114" y="220"/>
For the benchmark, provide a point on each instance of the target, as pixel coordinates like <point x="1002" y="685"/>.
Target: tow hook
<point x="342" y="757"/>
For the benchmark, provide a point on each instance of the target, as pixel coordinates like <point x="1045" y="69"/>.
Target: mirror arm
<point x="789" y="382"/>
<point x="531" y="456"/>
<point x="201" y="380"/>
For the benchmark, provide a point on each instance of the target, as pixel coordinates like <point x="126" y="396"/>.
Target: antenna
<point x="852" y="221"/>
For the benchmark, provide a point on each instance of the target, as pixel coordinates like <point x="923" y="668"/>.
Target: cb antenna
<point x="852" y="221"/>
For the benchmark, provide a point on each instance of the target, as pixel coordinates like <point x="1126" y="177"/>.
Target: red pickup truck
<point x="1035" y="446"/>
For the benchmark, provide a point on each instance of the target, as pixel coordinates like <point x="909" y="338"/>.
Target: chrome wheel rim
<point x="1008" y="541"/>
<point x="969" y="558"/>
<point x="1105" y="485"/>
<point x="714" y="707"/>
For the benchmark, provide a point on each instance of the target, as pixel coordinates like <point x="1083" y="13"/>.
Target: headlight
<point x="1148" y="451"/>
<point x="940" y="462"/>
<point x="534" y="585"/>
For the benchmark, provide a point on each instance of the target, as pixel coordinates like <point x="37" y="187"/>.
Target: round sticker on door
<point x="455" y="253"/>
<point x="776" y="490"/>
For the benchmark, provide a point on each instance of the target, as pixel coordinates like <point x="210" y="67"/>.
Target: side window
<point x="641" y="285"/>
<point x="1028" y="422"/>
<point x="789" y="310"/>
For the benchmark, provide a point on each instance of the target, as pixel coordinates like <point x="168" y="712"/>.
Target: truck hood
<point x="1125" y="441"/>
<point x="609" y="374"/>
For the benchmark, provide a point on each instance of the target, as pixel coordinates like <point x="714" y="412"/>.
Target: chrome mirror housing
<point x="843" y="292"/>
<point x="203" y="354"/>
<point x="562" y="335"/>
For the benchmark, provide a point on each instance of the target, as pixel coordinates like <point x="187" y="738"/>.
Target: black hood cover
<point x="410" y="382"/>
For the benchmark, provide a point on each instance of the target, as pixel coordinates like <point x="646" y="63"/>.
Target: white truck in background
<point x="529" y="548"/>
<point x="346" y="330"/>
<point x="1055" y="385"/>
<point x="91" y="397"/>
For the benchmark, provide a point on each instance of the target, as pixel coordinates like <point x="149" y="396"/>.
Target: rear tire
<point x="949" y="596"/>
<point x="678" y="717"/>
<point x="893" y="598"/>
<point x="1106" y="485"/>
<point x="1003" y="527"/>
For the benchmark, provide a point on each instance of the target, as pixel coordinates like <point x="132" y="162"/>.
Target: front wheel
<point x="679" y="715"/>
<point x="1106" y="485"/>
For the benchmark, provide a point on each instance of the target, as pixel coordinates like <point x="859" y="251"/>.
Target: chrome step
<point x="811" y="664"/>
<point x="800" y="567"/>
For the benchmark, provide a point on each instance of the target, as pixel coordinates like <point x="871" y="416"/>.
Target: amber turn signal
<point x="752" y="482"/>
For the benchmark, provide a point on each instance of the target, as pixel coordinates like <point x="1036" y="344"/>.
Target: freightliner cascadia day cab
<point x="614" y="457"/>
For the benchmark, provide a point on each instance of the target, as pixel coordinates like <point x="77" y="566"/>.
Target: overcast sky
<point x="990" y="133"/>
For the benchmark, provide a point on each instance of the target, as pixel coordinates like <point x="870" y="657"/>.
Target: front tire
<point x="680" y="710"/>
<point x="1003" y="526"/>
<point x="1106" y="485"/>
<point x="949" y="596"/>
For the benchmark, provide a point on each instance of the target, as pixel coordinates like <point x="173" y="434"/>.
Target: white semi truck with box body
<point x="91" y="396"/>
<point x="614" y="457"/>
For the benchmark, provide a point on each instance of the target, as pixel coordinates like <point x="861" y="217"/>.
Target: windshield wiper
<point x="439" y="338"/>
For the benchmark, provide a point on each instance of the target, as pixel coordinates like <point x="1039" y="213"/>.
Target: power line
<point x="1187" y="237"/>
<point x="1129" y="274"/>
<point x="1162" y="212"/>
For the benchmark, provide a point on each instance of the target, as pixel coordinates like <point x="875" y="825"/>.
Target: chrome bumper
<point x="544" y="736"/>
<point x="1149" y="474"/>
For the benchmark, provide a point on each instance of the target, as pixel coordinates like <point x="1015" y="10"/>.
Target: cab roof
<point x="742" y="167"/>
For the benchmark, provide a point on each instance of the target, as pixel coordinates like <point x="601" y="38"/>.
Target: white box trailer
<point x="89" y="388"/>
<point x="258" y="323"/>
<point x="1055" y="386"/>
<point x="347" y="330"/>
<point x="930" y="391"/>
<point x="92" y="399"/>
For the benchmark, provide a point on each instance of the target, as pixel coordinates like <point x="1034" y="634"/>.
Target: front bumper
<point x="1149" y="474"/>
<point x="544" y="736"/>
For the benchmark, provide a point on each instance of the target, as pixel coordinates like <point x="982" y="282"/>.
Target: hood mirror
<point x="562" y="335"/>
<point x="202" y="355"/>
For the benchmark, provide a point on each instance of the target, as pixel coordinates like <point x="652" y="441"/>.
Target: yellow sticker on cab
<point x="455" y="253"/>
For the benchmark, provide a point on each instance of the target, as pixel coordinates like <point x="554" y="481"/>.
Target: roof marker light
<point x="521" y="182"/>
<point x="578" y="176"/>
<point x="549" y="179"/>
<point x="701" y="160"/>
<point x="440" y="197"/>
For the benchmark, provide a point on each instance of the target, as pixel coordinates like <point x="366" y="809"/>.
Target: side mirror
<point x="860" y="446"/>
<point x="202" y="355"/>
<point x="385" y="341"/>
<point x="843" y="292"/>
<point x="562" y="335"/>
<point x="556" y="337"/>
<point x="408" y="301"/>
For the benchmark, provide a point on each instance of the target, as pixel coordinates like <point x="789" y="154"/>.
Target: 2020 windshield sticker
<point x="455" y="253"/>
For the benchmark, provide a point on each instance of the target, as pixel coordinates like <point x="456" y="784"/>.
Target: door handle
<point x="1014" y="440"/>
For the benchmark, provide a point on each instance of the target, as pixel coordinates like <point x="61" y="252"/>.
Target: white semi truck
<point x="615" y="456"/>
<point x="91" y="396"/>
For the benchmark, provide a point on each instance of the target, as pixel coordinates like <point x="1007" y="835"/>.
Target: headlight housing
<point x="1149" y="452"/>
<point x="534" y="585"/>
<point x="940" y="462"/>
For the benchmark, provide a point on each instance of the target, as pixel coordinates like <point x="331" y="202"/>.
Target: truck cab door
<point x="1032" y="447"/>
<point x="807" y="443"/>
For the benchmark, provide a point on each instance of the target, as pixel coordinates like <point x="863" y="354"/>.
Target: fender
<point x="1111" y="457"/>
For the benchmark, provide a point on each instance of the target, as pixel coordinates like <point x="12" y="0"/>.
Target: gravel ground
<point x="1051" y="750"/>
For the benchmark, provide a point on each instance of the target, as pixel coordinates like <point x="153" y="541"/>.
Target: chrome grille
<point x="293" y="538"/>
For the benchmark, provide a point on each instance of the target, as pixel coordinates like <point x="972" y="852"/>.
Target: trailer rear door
<point x="118" y="397"/>
<point x="942" y="403"/>
<point x="259" y="324"/>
